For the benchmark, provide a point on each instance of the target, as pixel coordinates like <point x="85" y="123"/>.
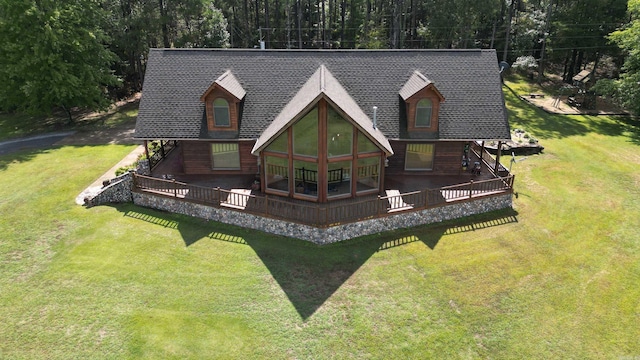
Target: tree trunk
<point x="163" y="22"/>
<point x="544" y="45"/>
<point x="508" y="32"/>
<point x="258" y="15"/>
<point x="324" y="26"/>
<point x="299" y="20"/>
<point x="343" y="8"/>
<point x="68" y="112"/>
<point x="266" y="23"/>
<point x="571" y="68"/>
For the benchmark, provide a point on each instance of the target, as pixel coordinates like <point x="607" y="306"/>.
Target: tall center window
<point x="221" y="112"/>
<point x="423" y="113"/>
<point x="321" y="157"/>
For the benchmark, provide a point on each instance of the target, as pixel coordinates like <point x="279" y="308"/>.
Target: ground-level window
<point x="277" y="173"/>
<point x="226" y="156"/>
<point x="419" y="157"/>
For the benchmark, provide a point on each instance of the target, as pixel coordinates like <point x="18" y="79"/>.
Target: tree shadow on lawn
<point x="19" y="156"/>
<point x="309" y="274"/>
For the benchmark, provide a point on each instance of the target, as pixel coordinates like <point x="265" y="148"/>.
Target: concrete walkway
<point x="95" y="187"/>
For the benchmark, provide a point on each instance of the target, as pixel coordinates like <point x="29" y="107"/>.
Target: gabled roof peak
<point x="421" y="76"/>
<point x="417" y="82"/>
<point x="322" y="84"/>
<point x="227" y="82"/>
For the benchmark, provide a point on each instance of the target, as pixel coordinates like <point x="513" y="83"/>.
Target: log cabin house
<point x="323" y="126"/>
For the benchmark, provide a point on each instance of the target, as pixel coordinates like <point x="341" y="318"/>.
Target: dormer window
<point x="222" y="102"/>
<point x="422" y="100"/>
<point x="423" y="113"/>
<point x="221" y="113"/>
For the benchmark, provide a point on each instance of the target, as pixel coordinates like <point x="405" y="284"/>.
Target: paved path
<point x="33" y="142"/>
<point x="95" y="187"/>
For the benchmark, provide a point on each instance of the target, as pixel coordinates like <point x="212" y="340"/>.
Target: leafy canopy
<point x="628" y="39"/>
<point x="53" y="55"/>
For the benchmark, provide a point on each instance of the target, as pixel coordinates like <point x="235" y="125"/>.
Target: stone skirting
<point x="329" y="235"/>
<point x="118" y="190"/>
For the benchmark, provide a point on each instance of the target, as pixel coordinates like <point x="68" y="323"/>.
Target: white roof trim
<point x="416" y="82"/>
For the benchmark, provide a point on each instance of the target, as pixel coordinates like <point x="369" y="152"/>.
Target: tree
<point x="627" y="88"/>
<point x="53" y="55"/>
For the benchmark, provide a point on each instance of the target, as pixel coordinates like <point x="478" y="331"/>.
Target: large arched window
<point x="423" y="113"/>
<point x="221" y="112"/>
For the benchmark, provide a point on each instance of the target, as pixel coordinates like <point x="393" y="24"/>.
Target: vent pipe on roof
<point x="375" y="117"/>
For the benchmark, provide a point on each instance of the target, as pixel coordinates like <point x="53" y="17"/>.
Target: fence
<point x="326" y="214"/>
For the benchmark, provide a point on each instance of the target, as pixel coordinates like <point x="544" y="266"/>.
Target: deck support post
<point x="498" y="154"/>
<point x="146" y="149"/>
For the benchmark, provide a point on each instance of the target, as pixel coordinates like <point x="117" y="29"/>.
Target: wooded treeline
<point x="58" y="37"/>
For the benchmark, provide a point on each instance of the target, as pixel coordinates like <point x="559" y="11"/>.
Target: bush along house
<point x="323" y="145"/>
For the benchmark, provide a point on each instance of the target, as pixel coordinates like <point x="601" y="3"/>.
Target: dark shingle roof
<point x="322" y="84"/>
<point x="176" y="78"/>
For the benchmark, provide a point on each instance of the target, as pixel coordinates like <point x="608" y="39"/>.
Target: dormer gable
<point x="422" y="100"/>
<point x="222" y="103"/>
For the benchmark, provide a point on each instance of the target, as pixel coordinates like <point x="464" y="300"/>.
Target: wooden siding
<point x="412" y="102"/>
<point x="196" y="157"/>
<point x="447" y="159"/>
<point x="234" y="105"/>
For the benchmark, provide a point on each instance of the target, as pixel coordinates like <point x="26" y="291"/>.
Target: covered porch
<point x="170" y="167"/>
<point x="401" y="193"/>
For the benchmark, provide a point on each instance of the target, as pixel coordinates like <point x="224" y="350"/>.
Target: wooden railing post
<point x="426" y="198"/>
<point x="470" y="189"/>
<point x="175" y="188"/>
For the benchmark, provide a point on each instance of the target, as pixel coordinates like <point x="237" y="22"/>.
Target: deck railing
<point x="326" y="214"/>
<point x="488" y="160"/>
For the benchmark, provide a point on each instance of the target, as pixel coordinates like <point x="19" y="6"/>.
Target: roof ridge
<point x="319" y="50"/>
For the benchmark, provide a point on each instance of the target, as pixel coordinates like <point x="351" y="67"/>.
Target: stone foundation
<point x="118" y="190"/>
<point x="332" y="234"/>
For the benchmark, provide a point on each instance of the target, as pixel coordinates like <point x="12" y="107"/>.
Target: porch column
<point x="498" y="153"/>
<point x="146" y="148"/>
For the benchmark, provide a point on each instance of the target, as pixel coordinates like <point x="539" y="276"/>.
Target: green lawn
<point x="557" y="278"/>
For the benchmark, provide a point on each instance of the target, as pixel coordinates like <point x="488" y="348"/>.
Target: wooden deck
<point x="401" y="194"/>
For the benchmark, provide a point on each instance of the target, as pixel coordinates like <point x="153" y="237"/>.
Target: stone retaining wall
<point x="119" y="190"/>
<point x="332" y="234"/>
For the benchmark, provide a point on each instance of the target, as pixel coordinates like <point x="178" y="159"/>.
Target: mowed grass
<point x="555" y="278"/>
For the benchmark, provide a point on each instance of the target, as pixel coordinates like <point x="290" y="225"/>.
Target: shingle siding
<point x="176" y="78"/>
